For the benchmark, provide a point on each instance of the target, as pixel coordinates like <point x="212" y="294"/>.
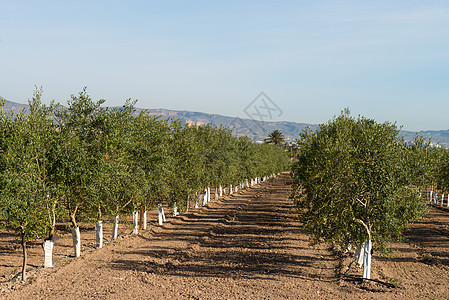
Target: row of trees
<point x="86" y="162"/>
<point x="356" y="182"/>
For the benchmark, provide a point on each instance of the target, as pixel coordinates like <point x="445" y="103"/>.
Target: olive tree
<point x="24" y="184"/>
<point x="354" y="183"/>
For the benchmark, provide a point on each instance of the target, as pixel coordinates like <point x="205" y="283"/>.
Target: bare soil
<point x="246" y="246"/>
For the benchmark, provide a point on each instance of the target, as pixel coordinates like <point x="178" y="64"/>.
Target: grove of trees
<point x="85" y="162"/>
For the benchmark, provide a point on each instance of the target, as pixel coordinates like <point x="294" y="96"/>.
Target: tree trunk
<point x="141" y="218"/>
<point x="115" y="228"/>
<point x="72" y="217"/>
<point x="99" y="212"/>
<point x="25" y="258"/>
<point x="99" y="234"/>
<point x="208" y="194"/>
<point x="367" y="260"/>
<point x="51" y="234"/>
<point x="359" y="254"/>
<point x="205" y="197"/>
<point x="135" y="222"/>
<point x="144" y="220"/>
<point x="160" y="212"/>
<point x="76" y="241"/>
<point x="48" y="254"/>
<point x="198" y="199"/>
<point x="175" y="210"/>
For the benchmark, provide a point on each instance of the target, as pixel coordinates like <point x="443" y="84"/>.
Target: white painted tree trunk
<point x="436" y="198"/>
<point x="135" y="222"/>
<point x="359" y="253"/>
<point x="160" y="214"/>
<point x="442" y="199"/>
<point x="205" y="197"/>
<point x="221" y="191"/>
<point x="76" y="241"/>
<point x="208" y="194"/>
<point x="230" y="189"/>
<point x="115" y="228"/>
<point x="246" y="183"/>
<point x="367" y="260"/>
<point x="48" y="254"/>
<point x="216" y="194"/>
<point x="144" y="225"/>
<point x="175" y="210"/>
<point x="199" y="197"/>
<point x="99" y="234"/>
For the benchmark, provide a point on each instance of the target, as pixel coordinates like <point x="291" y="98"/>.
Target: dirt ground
<point x="245" y="246"/>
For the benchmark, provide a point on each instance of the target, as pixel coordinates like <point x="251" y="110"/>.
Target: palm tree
<point x="275" y="137"/>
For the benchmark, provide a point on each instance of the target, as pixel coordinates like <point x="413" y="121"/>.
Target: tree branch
<point x="365" y="226"/>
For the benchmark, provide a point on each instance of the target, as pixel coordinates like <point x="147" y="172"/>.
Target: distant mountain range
<point x="254" y="129"/>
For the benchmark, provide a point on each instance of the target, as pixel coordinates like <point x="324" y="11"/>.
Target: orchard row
<point x="86" y="162"/>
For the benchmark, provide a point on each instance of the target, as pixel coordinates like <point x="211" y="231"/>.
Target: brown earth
<point x="246" y="246"/>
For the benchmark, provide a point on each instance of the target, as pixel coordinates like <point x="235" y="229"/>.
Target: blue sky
<point x="387" y="60"/>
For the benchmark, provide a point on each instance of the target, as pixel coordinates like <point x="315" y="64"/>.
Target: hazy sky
<point x="387" y="60"/>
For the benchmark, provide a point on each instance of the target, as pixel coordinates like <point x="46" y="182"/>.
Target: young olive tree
<point x="354" y="184"/>
<point x="120" y="181"/>
<point x="76" y="162"/>
<point x="186" y="159"/>
<point x="24" y="184"/>
<point x="440" y="159"/>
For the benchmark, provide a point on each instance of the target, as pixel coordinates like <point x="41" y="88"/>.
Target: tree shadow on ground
<point x="251" y="238"/>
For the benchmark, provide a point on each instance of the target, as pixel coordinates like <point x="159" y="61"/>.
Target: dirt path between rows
<point x="245" y="246"/>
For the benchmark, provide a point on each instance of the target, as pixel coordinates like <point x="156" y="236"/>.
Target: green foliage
<point x="355" y="180"/>
<point x="440" y="177"/>
<point x="24" y="184"/>
<point x="85" y="161"/>
<point x="77" y="157"/>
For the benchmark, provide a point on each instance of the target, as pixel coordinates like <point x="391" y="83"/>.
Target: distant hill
<point x="9" y="105"/>
<point x="254" y="129"/>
